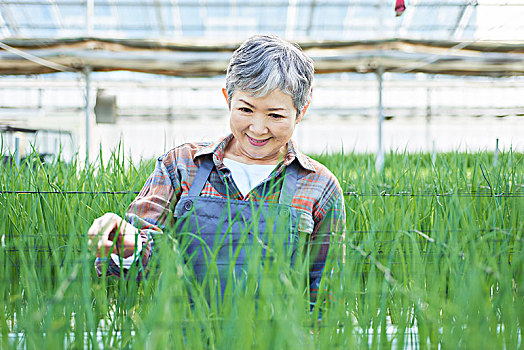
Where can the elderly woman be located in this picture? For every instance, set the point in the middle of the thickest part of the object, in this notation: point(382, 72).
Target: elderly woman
point(256, 173)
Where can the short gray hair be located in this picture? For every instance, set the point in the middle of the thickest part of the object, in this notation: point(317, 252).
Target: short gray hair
point(264, 63)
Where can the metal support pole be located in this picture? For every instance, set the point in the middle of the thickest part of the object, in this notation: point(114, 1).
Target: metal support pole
point(429, 113)
point(496, 156)
point(87, 77)
point(379, 164)
point(433, 154)
point(17, 152)
point(90, 11)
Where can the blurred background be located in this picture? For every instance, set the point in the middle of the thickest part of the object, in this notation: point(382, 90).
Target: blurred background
point(90, 76)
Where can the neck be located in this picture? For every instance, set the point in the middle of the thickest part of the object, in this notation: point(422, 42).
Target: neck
point(233, 152)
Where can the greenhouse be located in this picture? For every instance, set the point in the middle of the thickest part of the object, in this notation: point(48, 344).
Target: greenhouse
point(416, 109)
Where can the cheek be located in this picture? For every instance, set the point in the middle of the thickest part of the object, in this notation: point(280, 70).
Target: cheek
point(236, 123)
point(283, 130)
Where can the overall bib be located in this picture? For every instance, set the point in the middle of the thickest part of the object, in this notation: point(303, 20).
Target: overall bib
point(219, 235)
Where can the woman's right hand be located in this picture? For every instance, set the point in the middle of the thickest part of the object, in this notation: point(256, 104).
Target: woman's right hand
point(108, 228)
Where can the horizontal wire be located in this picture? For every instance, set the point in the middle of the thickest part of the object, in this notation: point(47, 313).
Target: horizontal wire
point(347, 194)
point(69, 192)
point(458, 230)
point(430, 260)
point(377, 249)
point(14, 246)
point(448, 194)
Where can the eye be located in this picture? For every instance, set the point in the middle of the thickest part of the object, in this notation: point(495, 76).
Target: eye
point(276, 116)
point(245, 109)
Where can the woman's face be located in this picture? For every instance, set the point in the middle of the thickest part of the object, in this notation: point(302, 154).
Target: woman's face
point(261, 126)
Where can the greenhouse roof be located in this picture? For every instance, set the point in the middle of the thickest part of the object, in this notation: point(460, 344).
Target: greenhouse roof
point(168, 58)
point(449, 36)
point(237, 19)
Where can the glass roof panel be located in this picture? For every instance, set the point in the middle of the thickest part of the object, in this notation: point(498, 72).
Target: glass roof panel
point(274, 19)
point(327, 21)
point(303, 13)
point(73, 20)
point(469, 25)
point(364, 18)
point(134, 17)
point(191, 21)
point(235, 19)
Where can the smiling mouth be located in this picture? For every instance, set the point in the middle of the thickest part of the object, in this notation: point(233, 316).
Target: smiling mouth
point(256, 142)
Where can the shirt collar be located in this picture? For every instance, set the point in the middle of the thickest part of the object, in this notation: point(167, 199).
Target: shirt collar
point(217, 149)
point(294, 153)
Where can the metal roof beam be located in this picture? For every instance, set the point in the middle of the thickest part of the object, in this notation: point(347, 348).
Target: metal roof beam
point(10, 23)
point(348, 19)
point(55, 11)
point(463, 19)
point(90, 13)
point(5, 29)
point(261, 3)
point(113, 5)
point(159, 18)
point(487, 58)
point(227, 26)
point(291, 19)
point(202, 11)
point(177, 20)
point(408, 17)
point(310, 21)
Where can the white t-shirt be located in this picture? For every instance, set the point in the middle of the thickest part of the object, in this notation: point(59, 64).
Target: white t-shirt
point(248, 176)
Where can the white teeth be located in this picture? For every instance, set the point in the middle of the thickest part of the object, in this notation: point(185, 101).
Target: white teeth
point(257, 141)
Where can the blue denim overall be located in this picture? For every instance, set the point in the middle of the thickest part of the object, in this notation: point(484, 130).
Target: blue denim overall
point(219, 234)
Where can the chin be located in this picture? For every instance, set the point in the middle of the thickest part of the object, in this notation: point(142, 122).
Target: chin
point(258, 155)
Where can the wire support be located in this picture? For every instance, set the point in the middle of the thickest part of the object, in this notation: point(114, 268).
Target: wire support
point(457, 230)
point(347, 194)
point(428, 194)
point(70, 192)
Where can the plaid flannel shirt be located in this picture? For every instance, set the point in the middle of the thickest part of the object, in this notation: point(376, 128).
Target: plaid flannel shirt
point(318, 199)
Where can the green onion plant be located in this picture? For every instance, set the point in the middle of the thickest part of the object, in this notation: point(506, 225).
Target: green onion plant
point(432, 257)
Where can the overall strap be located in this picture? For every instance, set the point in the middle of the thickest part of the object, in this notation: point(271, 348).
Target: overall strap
point(201, 176)
point(290, 184)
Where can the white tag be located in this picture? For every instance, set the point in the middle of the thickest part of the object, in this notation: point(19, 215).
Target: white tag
point(130, 260)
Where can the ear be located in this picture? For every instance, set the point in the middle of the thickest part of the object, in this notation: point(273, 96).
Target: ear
point(224, 92)
point(303, 111)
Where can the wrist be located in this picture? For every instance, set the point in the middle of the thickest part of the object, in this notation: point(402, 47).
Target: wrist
point(136, 245)
point(134, 254)
point(128, 251)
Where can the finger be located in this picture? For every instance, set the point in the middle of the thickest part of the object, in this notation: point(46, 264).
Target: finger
point(94, 228)
point(118, 228)
point(99, 233)
point(92, 233)
point(104, 248)
point(129, 240)
point(98, 225)
point(107, 235)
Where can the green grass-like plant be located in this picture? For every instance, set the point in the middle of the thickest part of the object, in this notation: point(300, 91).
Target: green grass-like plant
point(432, 257)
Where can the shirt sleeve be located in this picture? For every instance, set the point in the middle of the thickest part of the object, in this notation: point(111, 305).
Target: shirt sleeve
point(149, 212)
point(328, 231)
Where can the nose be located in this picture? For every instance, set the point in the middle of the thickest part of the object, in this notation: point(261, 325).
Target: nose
point(258, 126)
